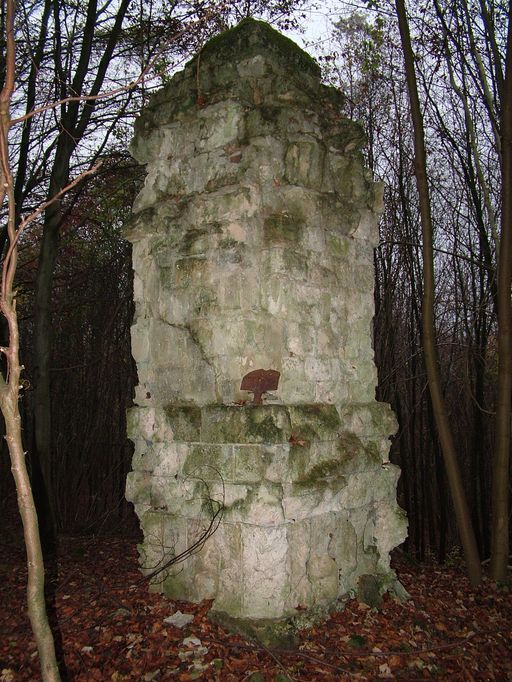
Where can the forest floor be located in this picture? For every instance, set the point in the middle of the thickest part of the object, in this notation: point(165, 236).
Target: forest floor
point(110, 628)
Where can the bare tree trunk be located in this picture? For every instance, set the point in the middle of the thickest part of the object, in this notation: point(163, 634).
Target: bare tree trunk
point(10, 389)
point(428, 324)
point(42, 354)
point(500, 478)
point(74, 122)
point(9, 397)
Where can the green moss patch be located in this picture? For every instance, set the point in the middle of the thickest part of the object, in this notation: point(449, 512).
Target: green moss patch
point(315, 422)
point(282, 227)
point(245, 424)
point(209, 462)
point(275, 634)
point(185, 422)
point(249, 37)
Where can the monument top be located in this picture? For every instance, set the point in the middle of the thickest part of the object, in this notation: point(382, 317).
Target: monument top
point(250, 63)
point(250, 38)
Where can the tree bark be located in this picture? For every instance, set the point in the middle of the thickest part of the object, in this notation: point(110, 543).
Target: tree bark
point(10, 389)
point(428, 321)
point(500, 477)
point(9, 397)
point(74, 122)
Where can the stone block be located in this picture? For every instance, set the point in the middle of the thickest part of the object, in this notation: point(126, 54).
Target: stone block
point(194, 242)
point(277, 470)
point(353, 455)
point(261, 507)
point(232, 496)
point(152, 527)
point(253, 67)
point(251, 462)
point(367, 228)
point(263, 159)
point(140, 341)
point(344, 546)
point(314, 422)
point(290, 262)
point(221, 124)
point(299, 540)
point(368, 419)
point(138, 487)
point(192, 269)
point(365, 488)
point(167, 458)
point(305, 164)
point(293, 385)
point(275, 298)
point(140, 423)
point(282, 228)
point(390, 529)
point(231, 586)
point(142, 459)
point(184, 420)
point(300, 338)
point(174, 308)
point(301, 502)
point(312, 460)
point(329, 392)
point(321, 369)
point(174, 535)
point(210, 462)
point(262, 121)
point(264, 571)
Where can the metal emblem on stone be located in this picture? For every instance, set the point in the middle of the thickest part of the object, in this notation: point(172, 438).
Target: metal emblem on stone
point(259, 381)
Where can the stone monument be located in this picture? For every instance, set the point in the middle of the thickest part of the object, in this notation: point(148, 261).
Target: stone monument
point(253, 247)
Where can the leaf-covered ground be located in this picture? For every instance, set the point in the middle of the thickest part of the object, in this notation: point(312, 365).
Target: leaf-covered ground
point(111, 628)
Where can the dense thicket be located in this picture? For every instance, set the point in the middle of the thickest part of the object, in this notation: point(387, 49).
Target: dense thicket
point(459, 61)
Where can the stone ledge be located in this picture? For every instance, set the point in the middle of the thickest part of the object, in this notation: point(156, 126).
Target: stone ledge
point(254, 424)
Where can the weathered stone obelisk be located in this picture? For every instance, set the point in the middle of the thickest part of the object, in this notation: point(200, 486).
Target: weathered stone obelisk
point(253, 247)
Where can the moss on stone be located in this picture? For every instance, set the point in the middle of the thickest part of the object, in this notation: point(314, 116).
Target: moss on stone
point(204, 301)
point(176, 587)
point(349, 136)
point(282, 227)
point(190, 269)
point(257, 124)
point(337, 245)
point(246, 424)
point(275, 634)
point(265, 430)
point(231, 250)
point(193, 242)
point(251, 463)
point(185, 421)
point(248, 38)
point(296, 262)
point(315, 465)
point(354, 455)
point(322, 471)
point(370, 588)
point(209, 462)
point(315, 421)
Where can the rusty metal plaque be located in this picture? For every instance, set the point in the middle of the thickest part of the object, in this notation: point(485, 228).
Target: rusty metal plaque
point(259, 381)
